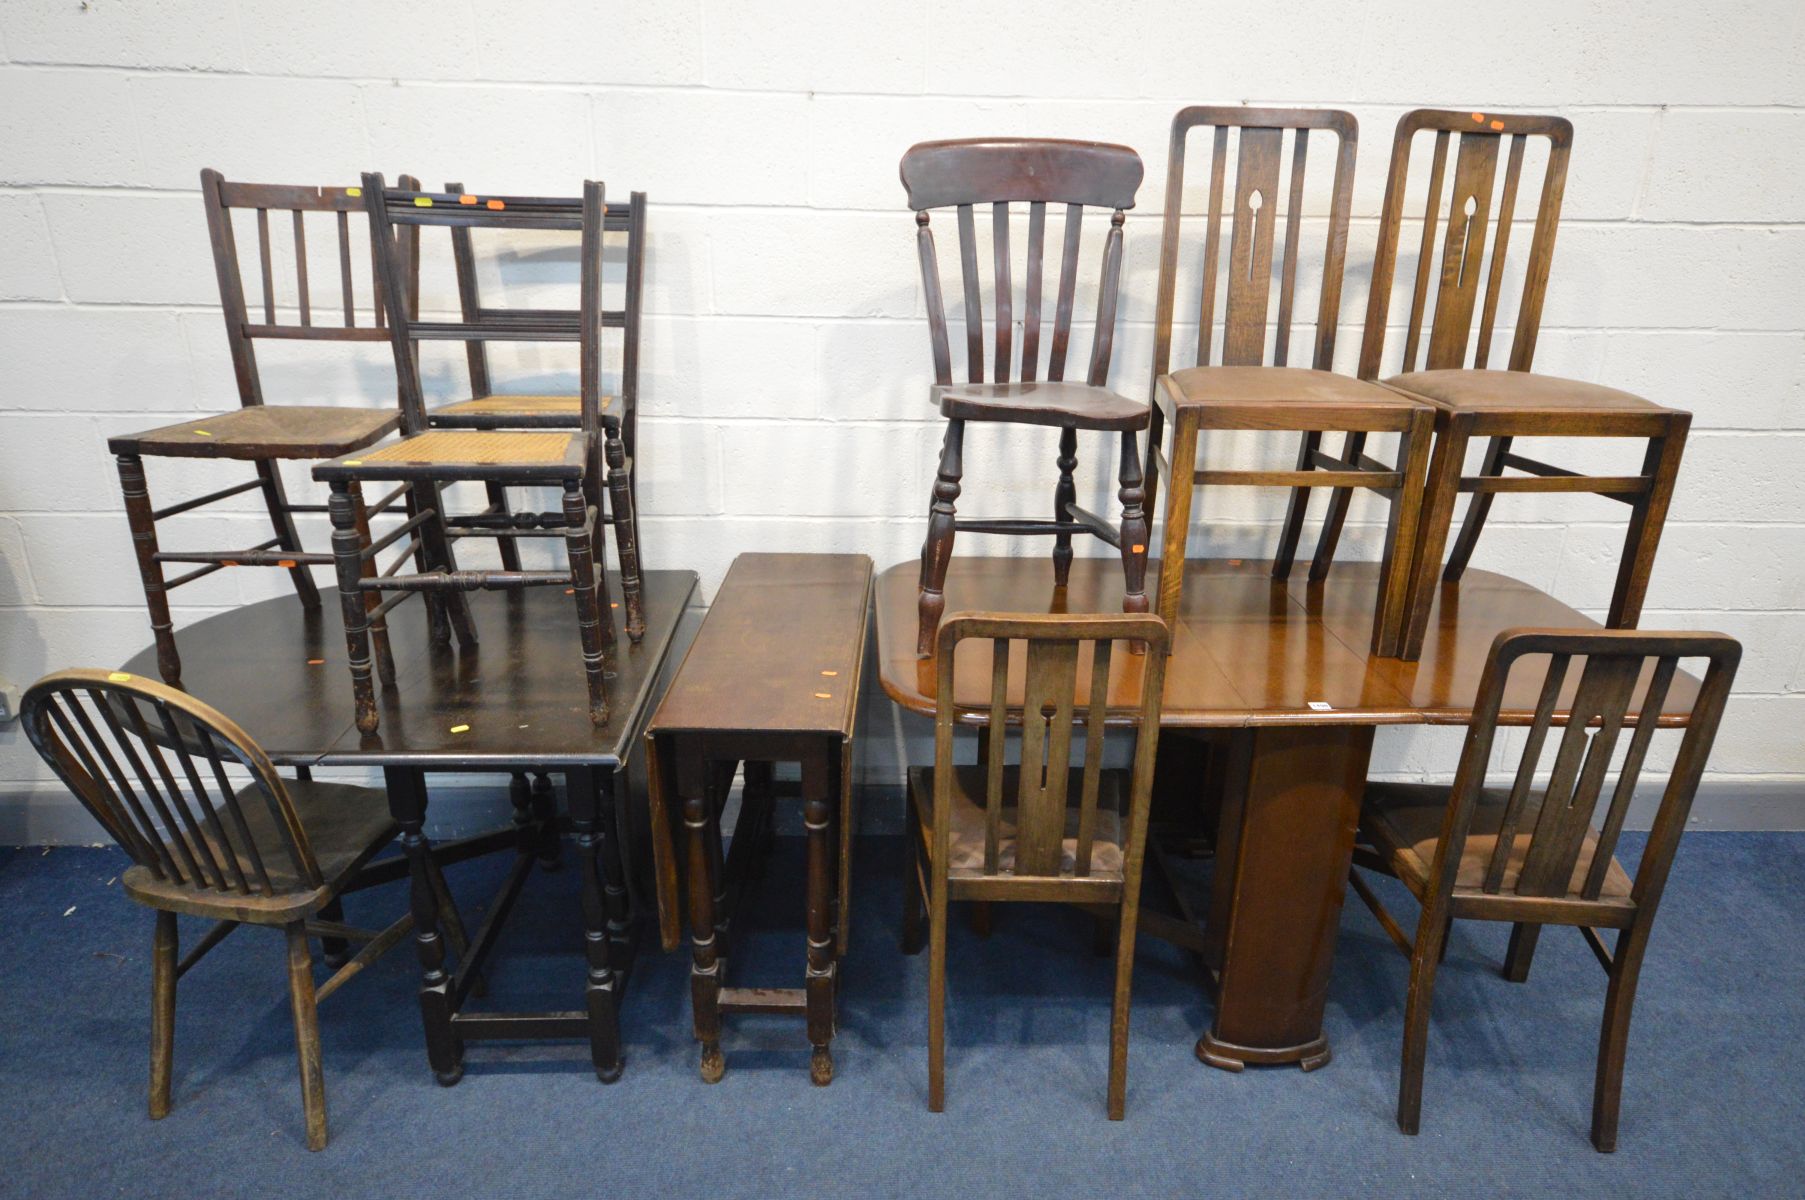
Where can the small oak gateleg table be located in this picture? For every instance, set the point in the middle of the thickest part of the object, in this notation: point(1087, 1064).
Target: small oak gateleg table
point(509, 704)
point(773, 676)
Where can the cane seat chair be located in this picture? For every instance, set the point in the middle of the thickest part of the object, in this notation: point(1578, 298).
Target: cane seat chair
point(1044, 828)
point(263, 435)
point(1451, 370)
point(997, 173)
point(214, 832)
point(1245, 385)
point(424, 459)
point(1542, 851)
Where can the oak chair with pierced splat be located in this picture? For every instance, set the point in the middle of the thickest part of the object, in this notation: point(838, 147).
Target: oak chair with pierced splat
point(155, 768)
point(1542, 854)
point(263, 435)
point(1041, 830)
point(1246, 386)
point(425, 459)
point(487, 408)
point(999, 172)
point(1476, 402)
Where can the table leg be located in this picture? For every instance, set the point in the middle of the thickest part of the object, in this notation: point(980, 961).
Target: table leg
point(600, 994)
point(705, 967)
point(819, 799)
point(407, 804)
point(1289, 815)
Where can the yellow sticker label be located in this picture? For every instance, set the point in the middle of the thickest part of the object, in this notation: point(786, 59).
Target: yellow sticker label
point(422, 201)
point(119, 677)
point(354, 191)
point(824, 695)
point(354, 462)
point(830, 674)
point(202, 433)
point(460, 729)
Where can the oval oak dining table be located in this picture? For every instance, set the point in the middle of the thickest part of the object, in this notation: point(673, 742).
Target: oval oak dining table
point(1279, 679)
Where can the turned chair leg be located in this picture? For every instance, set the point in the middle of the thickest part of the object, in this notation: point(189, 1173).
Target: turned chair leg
point(626, 535)
point(1296, 509)
point(1477, 510)
point(437, 622)
point(1065, 494)
point(378, 623)
point(282, 520)
point(1424, 959)
point(143, 523)
point(1135, 531)
point(498, 506)
point(307, 1034)
point(162, 1013)
point(440, 557)
point(347, 554)
point(577, 542)
point(1521, 951)
point(937, 552)
point(594, 480)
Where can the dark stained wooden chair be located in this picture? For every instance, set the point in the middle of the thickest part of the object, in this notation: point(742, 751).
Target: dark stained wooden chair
point(1542, 853)
point(1247, 386)
point(425, 459)
point(262, 435)
point(998, 172)
point(1042, 829)
point(157, 769)
point(1451, 373)
point(487, 408)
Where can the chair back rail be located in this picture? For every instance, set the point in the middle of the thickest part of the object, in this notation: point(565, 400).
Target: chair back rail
point(1055, 647)
point(1446, 297)
point(149, 762)
point(1255, 204)
point(997, 172)
point(1575, 797)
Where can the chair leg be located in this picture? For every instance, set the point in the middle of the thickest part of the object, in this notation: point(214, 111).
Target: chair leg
point(307, 1034)
point(913, 932)
point(1445, 464)
point(1181, 460)
point(1135, 530)
point(143, 522)
point(438, 623)
point(1477, 510)
point(1613, 1037)
point(439, 553)
point(1522, 949)
point(1431, 933)
point(937, 552)
point(582, 580)
point(282, 519)
point(1335, 516)
point(334, 950)
point(1065, 494)
point(1662, 465)
point(347, 553)
point(626, 535)
point(937, 995)
point(1402, 527)
point(1118, 1023)
point(594, 481)
point(379, 624)
point(162, 1013)
point(509, 546)
point(1297, 508)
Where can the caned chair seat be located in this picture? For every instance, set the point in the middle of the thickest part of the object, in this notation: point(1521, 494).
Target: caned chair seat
point(345, 826)
point(465, 453)
point(263, 432)
point(965, 858)
point(1066, 405)
point(1494, 391)
point(1295, 388)
point(513, 412)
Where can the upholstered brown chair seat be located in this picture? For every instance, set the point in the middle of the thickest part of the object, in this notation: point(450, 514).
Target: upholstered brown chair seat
point(262, 431)
point(966, 853)
point(513, 412)
point(1068, 405)
point(1293, 387)
point(1404, 821)
point(1491, 391)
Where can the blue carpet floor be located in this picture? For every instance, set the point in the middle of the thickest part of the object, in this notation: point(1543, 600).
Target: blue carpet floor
point(1714, 1103)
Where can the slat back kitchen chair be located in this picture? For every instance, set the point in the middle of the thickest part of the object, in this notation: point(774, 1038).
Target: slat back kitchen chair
point(1043, 829)
point(262, 434)
point(1244, 383)
point(425, 459)
point(487, 408)
point(996, 173)
point(1465, 250)
point(1542, 852)
point(160, 771)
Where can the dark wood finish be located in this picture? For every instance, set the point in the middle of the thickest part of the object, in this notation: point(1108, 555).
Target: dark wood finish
point(1239, 385)
point(1282, 677)
point(1044, 829)
point(773, 676)
point(1448, 368)
point(256, 433)
point(1537, 856)
point(425, 459)
point(150, 764)
point(999, 172)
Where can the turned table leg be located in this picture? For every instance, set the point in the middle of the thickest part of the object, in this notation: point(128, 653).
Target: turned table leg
point(818, 804)
point(407, 804)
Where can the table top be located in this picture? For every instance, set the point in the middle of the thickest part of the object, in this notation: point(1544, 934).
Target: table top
point(779, 652)
point(518, 697)
point(1248, 651)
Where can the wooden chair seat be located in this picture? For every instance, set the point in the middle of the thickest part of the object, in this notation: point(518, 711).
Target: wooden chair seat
point(1458, 390)
point(965, 858)
point(1404, 820)
point(1297, 389)
point(1065, 405)
point(465, 454)
point(513, 412)
point(346, 826)
point(263, 432)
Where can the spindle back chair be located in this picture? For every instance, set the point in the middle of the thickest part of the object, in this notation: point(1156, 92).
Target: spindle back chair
point(1543, 851)
point(261, 434)
point(1244, 380)
point(1043, 829)
point(155, 767)
point(1015, 387)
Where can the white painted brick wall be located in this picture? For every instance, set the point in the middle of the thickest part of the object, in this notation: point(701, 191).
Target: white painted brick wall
point(785, 360)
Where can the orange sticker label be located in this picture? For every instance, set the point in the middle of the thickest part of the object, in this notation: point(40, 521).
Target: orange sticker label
point(830, 674)
point(496, 205)
point(1138, 549)
point(824, 695)
point(466, 198)
point(1479, 117)
point(228, 562)
point(285, 562)
point(315, 662)
point(1498, 125)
